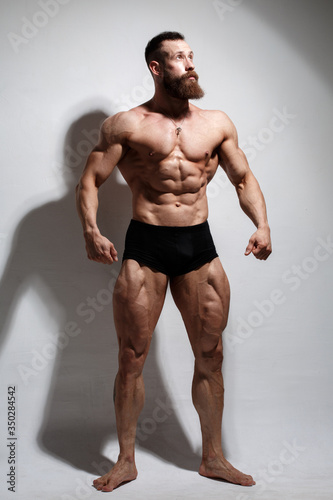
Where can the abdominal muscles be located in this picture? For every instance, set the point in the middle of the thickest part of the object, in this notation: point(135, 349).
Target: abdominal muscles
point(170, 192)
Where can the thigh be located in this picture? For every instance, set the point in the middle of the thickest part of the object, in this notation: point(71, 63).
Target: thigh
point(137, 302)
point(202, 297)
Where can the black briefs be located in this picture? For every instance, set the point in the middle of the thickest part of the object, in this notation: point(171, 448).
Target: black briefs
point(171, 250)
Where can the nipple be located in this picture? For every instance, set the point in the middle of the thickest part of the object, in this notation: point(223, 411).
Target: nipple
point(151, 153)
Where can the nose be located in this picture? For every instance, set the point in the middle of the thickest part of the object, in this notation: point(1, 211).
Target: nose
point(189, 64)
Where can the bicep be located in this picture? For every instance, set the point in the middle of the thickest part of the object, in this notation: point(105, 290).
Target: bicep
point(232, 158)
point(105, 156)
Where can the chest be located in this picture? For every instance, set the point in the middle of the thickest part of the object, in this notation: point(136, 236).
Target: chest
point(161, 138)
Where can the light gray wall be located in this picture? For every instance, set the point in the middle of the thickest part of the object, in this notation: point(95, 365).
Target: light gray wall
point(68, 64)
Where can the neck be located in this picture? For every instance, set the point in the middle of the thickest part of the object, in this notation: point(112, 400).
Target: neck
point(172, 106)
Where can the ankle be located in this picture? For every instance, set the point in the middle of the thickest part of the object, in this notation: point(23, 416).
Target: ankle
point(126, 457)
point(211, 454)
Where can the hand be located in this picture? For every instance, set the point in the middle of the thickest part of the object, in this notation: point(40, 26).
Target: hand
point(260, 244)
point(100, 249)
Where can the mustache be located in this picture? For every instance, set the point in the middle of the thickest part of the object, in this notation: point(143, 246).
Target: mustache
point(190, 74)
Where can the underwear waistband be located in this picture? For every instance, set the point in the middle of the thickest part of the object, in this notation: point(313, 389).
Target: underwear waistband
point(194, 228)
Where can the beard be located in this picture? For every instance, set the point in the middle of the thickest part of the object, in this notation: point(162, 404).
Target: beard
point(182, 87)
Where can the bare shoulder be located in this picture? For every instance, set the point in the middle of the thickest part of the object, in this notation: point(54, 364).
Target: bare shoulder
point(219, 119)
point(116, 124)
point(115, 129)
point(123, 123)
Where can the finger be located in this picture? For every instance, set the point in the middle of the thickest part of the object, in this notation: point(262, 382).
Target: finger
point(249, 248)
point(108, 254)
point(263, 254)
point(107, 258)
point(268, 253)
point(259, 253)
point(101, 258)
point(104, 260)
point(114, 254)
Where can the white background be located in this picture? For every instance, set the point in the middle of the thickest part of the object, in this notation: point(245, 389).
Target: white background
point(65, 67)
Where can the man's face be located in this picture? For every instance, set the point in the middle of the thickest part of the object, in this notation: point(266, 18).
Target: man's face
point(179, 78)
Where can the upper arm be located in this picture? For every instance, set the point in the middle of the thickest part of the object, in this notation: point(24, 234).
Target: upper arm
point(231, 157)
point(108, 152)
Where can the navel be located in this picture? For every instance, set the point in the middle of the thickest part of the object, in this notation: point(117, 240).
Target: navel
point(178, 204)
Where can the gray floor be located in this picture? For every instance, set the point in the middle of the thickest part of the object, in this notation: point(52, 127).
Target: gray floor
point(44, 477)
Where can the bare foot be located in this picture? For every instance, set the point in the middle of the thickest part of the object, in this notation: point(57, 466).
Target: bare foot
point(122, 472)
point(220, 468)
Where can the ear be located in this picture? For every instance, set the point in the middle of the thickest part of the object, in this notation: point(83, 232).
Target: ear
point(156, 68)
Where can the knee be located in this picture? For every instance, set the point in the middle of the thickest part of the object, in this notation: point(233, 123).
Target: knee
point(209, 357)
point(131, 362)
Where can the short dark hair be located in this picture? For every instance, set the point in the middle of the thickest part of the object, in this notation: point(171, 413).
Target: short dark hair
point(153, 46)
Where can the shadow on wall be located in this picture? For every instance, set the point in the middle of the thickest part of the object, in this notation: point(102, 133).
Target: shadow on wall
point(48, 255)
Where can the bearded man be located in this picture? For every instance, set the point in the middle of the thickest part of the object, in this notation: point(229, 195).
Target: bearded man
point(168, 150)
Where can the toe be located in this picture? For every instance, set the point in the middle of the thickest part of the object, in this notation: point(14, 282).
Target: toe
point(98, 484)
point(248, 481)
point(107, 488)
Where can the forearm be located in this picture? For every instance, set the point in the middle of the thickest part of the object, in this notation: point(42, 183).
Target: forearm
point(252, 200)
point(87, 206)
point(99, 248)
